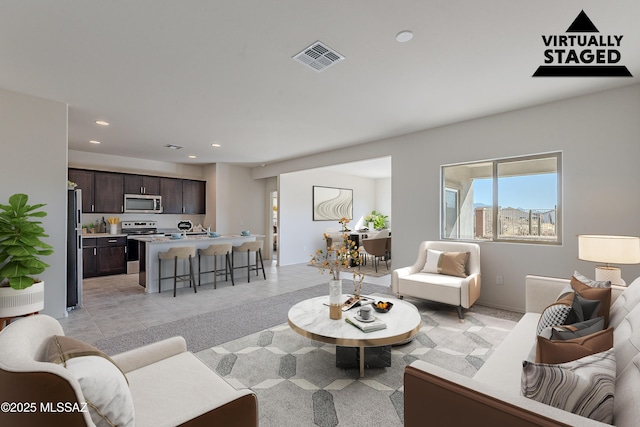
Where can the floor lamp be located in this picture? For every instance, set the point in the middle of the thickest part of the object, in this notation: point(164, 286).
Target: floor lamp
point(609, 249)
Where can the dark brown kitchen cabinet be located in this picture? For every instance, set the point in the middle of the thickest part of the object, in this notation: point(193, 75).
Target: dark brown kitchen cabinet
point(89, 257)
point(194, 196)
point(103, 192)
point(104, 256)
point(171, 192)
point(109, 192)
point(112, 255)
point(141, 184)
point(85, 180)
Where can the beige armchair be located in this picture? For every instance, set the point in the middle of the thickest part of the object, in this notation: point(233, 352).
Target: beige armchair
point(461, 292)
point(169, 386)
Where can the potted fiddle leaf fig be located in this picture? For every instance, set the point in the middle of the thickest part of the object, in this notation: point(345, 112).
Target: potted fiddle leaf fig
point(20, 250)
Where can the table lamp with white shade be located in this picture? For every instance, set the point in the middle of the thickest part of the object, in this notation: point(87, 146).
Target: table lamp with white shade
point(609, 250)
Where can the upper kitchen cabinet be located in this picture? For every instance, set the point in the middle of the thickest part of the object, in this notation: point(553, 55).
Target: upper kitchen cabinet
point(141, 184)
point(109, 192)
point(85, 180)
point(183, 196)
point(194, 196)
point(103, 192)
point(171, 192)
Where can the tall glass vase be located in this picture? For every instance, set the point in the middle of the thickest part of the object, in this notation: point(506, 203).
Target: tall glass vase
point(335, 299)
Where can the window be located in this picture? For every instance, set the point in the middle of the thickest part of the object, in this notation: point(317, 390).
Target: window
point(451, 212)
point(507, 200)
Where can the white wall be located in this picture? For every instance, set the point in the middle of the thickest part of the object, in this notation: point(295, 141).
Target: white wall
point(209, 173)
point(599, 136)
point(240, 200)
point(33, 136)
point(88, 160)
point(384, 198)
point(299, 235)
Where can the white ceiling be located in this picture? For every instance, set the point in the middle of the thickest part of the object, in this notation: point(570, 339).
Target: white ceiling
point(372, 168)
point(195, 72)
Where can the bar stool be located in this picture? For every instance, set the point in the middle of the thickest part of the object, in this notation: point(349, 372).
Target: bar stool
point(214, 251)
point(184, 252)
point(249, 247)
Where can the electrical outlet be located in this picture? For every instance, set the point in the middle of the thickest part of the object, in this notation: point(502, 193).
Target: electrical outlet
point(499, 280)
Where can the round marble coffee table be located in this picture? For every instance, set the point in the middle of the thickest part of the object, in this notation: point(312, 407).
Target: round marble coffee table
point(310, 318)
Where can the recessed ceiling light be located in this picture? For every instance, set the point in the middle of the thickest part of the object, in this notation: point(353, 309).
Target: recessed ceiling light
point(216, 145)
point(102, 123)
point(404, 36)
point(94, 142)
point(192, 157)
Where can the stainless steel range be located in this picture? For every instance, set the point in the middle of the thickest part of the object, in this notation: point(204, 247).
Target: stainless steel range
point(137, 228)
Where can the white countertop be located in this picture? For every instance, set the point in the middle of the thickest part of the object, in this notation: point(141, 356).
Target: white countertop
point(167, 239)
point(96, 235)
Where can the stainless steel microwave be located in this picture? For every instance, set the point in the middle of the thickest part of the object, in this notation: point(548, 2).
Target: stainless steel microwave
point(142, 203)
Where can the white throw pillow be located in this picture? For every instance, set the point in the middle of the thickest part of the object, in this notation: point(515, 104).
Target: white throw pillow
point(433, 259)
point(105, 390)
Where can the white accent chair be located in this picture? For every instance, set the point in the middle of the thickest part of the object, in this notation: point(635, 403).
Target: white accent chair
point(458, 291)
point(169, 385)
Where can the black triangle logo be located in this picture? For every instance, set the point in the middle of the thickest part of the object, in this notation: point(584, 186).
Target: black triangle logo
point(582, 24)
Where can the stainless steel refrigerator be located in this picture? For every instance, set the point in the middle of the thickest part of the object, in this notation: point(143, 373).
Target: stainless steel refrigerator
point(74, 249)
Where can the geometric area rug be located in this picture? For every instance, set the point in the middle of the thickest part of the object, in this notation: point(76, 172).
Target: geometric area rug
point(297, 383)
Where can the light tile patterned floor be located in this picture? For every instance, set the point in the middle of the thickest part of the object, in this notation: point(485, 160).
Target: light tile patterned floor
point(114, 305)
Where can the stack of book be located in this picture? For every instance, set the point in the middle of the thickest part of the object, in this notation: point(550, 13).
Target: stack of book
point(376, 325)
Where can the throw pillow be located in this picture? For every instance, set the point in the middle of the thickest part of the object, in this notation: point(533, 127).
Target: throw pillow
point(592, 283)
point(433, 259)
point(61, 348)
point(104, 385)
point(569, 297)
point(561, 351)
point(601, 294)
point(576, 330)
point(553, 315)
point(448, 263)
point(589, 307)
point(584, 386)
point(105, 391)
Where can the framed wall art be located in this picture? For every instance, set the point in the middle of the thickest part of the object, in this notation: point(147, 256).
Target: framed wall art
point(331, 204)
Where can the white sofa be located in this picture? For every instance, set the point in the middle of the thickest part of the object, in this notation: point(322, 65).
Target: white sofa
point(169, 385)
point(458, 291)
point(493, 395)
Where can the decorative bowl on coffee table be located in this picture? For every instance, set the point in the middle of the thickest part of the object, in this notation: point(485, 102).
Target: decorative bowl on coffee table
point(382, 306)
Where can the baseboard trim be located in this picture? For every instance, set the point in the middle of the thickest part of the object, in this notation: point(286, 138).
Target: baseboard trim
point(501, 306)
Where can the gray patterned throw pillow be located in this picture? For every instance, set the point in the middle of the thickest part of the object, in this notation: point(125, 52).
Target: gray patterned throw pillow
point(555, 314)
point(584, 386)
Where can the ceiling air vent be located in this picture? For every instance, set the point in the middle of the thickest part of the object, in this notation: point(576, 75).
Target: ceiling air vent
point(173, 147)
point(318, 57)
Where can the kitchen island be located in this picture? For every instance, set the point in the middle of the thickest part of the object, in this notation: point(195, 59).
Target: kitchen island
point(150, 246)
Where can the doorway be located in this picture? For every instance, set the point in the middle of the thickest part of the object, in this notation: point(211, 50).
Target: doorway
point(274, 222)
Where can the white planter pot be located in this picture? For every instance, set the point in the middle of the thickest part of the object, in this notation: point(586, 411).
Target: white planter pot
point(20, 302)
